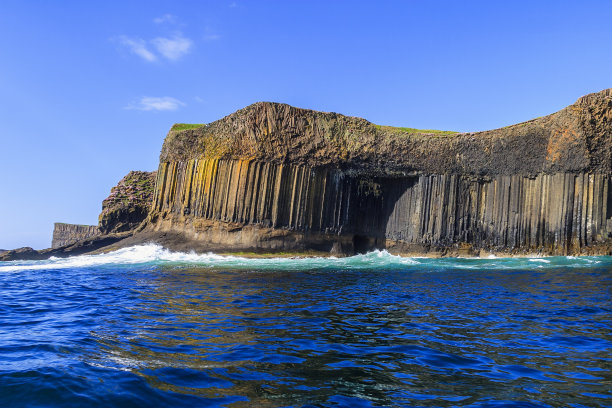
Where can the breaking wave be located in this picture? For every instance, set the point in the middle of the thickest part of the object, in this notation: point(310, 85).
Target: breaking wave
point(156, 254)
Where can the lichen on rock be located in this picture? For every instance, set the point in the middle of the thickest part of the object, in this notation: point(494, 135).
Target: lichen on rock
point(128, 203)
point(575, 139)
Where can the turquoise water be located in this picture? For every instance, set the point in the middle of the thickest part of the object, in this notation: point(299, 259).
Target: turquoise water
point(144, 326)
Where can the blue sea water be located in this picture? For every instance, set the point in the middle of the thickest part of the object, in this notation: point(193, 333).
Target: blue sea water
point(143, 327)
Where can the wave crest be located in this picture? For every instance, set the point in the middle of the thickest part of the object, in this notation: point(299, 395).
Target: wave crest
point(375, 260)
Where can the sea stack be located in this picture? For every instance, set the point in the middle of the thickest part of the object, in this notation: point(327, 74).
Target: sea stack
point(272, 177)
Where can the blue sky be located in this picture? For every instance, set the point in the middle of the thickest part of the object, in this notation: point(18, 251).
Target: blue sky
point(90, 88)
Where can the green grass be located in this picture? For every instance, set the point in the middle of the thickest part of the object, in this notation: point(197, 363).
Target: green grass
point(415, 131)
point(185, 126)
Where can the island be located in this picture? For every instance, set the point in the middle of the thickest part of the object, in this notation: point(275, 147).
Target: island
point(272, 178)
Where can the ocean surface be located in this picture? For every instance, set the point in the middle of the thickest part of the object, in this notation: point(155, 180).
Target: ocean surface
point(145, 327)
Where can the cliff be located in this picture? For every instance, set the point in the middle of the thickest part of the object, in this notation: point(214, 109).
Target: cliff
point(128, 203)
point(575, 139)
point(272, 176)
point(66, 234)
point(122, 212)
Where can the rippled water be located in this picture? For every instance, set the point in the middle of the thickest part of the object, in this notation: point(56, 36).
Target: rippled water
point(146, 327)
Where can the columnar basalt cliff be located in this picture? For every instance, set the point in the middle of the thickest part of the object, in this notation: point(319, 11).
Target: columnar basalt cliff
point(272, 176)
point(66, 234)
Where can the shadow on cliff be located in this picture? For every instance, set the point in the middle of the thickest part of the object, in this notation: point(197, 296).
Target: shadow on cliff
point(375, 203)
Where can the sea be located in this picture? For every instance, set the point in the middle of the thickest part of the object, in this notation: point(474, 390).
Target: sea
point(147, 327)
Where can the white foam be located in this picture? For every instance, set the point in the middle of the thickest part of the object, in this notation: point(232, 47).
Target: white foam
point(375, 260)
point(542, 260)
point(142, 254)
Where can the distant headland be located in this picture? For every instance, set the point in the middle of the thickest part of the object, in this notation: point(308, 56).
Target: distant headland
point(273, 178)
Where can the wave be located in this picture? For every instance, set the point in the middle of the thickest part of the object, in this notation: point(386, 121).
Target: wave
point(375, 260)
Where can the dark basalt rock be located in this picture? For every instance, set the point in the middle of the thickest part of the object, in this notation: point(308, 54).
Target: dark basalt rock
point(271, 177)
point(21, 253)
point(122, 212)
point(575, 139)
point(128, 203)
point(81, 247)
point(276, 177)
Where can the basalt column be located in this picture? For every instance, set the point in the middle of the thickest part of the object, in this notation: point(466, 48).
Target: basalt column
point(559, 213)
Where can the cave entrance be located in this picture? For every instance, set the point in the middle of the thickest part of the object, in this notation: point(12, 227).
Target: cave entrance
point(361, 244)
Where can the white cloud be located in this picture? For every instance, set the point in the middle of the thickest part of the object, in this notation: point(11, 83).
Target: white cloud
point(172, 48)
point(166, 18)
point(233, 4)
point(153, 103)
point(169, 48)
point(137, 46)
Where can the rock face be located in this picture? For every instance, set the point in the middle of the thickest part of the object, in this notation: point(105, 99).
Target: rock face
point(575, 139)
point(66, 234)
point(271, 176)
point(20, 253)
point(128, 203)
point(123, 210)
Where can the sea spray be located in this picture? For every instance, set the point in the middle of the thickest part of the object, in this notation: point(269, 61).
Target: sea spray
point(155, 254)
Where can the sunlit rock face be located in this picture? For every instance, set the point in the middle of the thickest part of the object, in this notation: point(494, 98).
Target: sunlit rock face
point(272, 176)
point(66, 234)
point(128, 203)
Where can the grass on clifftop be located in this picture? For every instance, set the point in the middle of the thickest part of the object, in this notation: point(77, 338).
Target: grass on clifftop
point(185, 126)
point(416, 131)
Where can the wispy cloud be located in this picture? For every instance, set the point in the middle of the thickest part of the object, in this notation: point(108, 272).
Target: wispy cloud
point(166, 18)
point(233, 4)
point(153, 103)
point(172, 48)
point(137, 46)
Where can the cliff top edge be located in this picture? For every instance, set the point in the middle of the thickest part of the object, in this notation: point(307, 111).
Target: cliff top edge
point(576, 138)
